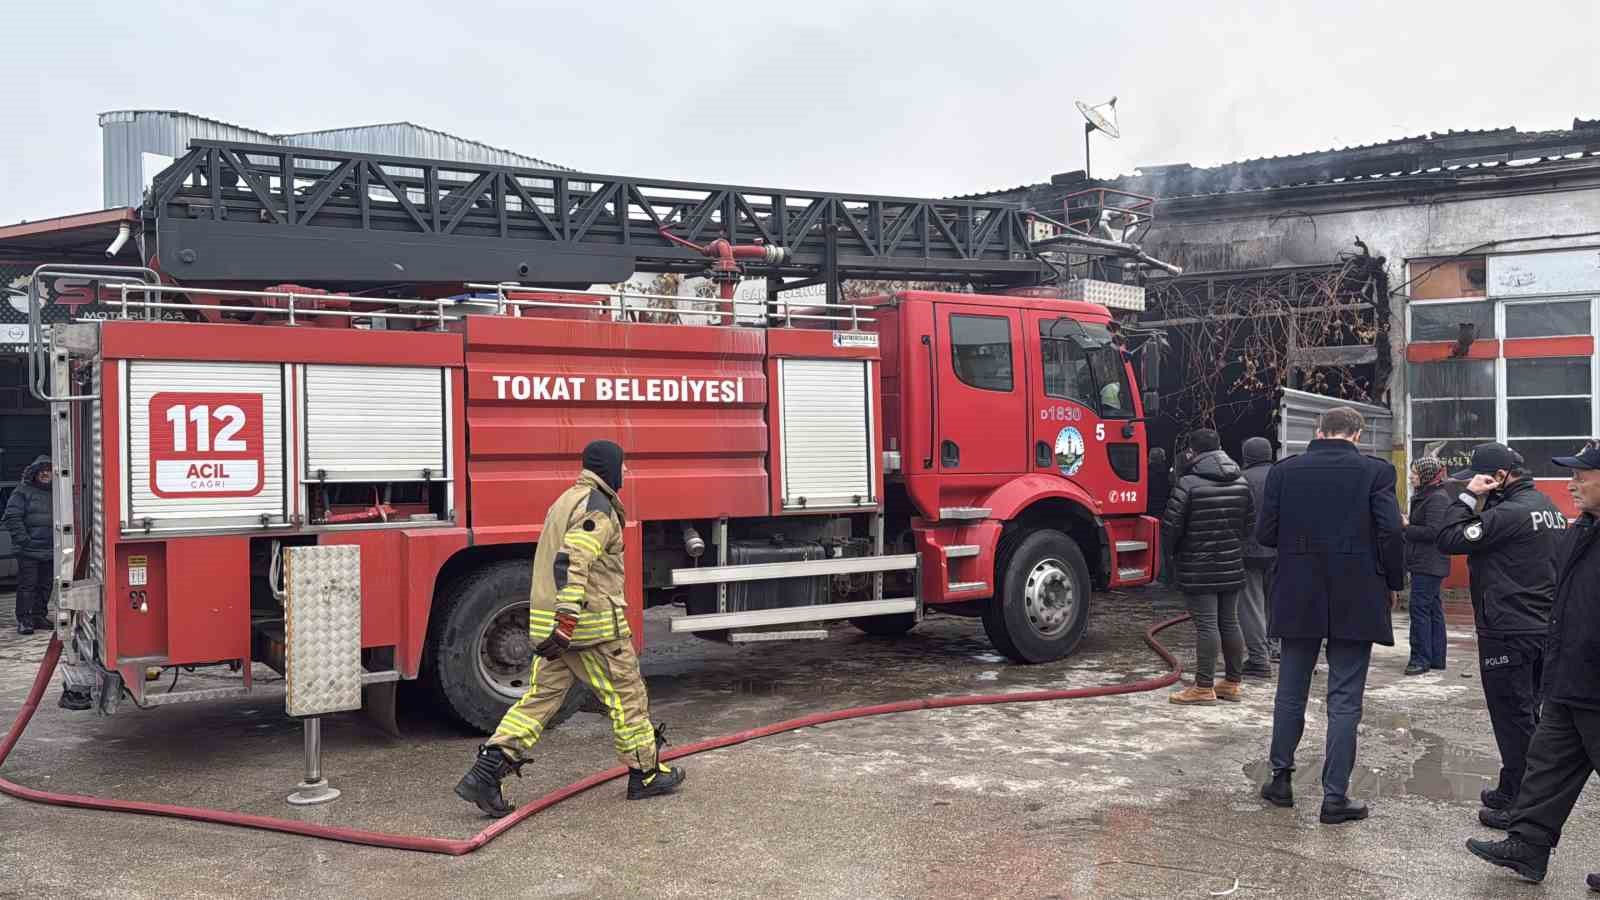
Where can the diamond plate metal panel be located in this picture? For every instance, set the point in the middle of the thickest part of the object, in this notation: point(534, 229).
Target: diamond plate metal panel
point(1105, 293)
point(322, 629)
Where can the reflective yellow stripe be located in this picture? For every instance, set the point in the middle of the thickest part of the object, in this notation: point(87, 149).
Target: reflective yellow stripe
point(584, 542)
point(608, 693)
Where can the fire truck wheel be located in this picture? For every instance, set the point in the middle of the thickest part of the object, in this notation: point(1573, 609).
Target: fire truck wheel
point(886, 626)
point(478, 657)
point(1040, 609)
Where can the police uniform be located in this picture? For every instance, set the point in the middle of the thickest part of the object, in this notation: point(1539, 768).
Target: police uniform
point(1510, 548)
point(578, 625)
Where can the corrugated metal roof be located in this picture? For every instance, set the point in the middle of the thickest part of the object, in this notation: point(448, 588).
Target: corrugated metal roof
point(1436, 154)
point(128, 135)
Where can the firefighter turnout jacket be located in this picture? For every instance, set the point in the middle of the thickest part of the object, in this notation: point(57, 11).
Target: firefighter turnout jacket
point(577, 568)
point(1511, 555)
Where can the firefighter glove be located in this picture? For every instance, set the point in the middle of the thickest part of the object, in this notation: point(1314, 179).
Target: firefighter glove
point(560, 638)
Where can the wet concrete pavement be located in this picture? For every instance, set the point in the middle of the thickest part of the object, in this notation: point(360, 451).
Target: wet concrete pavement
point(1116, 797)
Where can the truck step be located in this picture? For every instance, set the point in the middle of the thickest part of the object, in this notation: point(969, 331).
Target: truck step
point(753, 637)
point(960, 551)
point(963, 587)
point(1131, 574)
point(787, 614)
point(1132, 546)
point(850, 565)
point(222, 693)
point(964, 513)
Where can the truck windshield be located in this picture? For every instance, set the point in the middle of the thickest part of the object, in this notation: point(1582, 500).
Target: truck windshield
point(1081, 363)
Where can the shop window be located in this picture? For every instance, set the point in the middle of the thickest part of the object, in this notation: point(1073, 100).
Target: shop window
point(1456, 455)
point(1452, 379)
point(1453, 418)
point(1548, 377)
point(1452, 408)
point(1549, 405)
point(1530, 320)
point(1442, 321)
point(981, 350)
point(1537, 454)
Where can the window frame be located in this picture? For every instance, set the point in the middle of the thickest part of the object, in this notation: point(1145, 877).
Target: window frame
point(1502, 398)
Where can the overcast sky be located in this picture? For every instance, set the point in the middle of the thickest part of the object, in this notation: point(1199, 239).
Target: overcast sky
point(912, 98)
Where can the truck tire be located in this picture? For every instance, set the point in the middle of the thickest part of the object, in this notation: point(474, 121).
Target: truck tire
point(886, 626)
point(477, 659)
point(1040, 609)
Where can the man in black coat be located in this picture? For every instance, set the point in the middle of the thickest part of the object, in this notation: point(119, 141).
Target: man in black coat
point(1207, 519)
point(1333, 516)
point(28, 517)
point(1566, 745)
point(1430, 505)
point(1511, 549)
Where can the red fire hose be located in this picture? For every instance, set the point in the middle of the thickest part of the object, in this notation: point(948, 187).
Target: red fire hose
point(461, 847)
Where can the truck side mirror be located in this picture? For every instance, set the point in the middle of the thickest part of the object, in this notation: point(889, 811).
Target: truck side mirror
point(1152, 404)
point(1150, 364)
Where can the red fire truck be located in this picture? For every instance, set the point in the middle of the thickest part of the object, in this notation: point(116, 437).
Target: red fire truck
point(413, 395)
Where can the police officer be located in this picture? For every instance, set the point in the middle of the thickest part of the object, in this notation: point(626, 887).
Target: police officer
point(1510, 545)
point(576, 616)
point(1566, 746)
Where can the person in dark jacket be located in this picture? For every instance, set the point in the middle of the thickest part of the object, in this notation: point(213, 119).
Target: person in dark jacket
point(1208, 517)
point(1510, 548)
point(1566, 744)
point(1430, 503)
point(28, 518)
point(1332, 514)
point(1258, 564)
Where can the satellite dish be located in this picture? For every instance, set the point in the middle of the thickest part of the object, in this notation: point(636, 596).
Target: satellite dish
point(1102, 117)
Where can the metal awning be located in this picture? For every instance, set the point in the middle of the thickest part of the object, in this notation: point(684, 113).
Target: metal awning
point(83, 237)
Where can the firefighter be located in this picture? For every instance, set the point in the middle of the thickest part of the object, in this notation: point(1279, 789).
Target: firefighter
point(1510, 547)
point(576, 621)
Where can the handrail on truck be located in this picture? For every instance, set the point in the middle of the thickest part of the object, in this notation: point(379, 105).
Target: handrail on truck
point(37, 370)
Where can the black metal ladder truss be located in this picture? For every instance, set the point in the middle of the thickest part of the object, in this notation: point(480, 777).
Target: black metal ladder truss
point(246, 212)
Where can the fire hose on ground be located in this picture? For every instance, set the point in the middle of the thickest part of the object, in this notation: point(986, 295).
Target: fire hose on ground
point(461, 847)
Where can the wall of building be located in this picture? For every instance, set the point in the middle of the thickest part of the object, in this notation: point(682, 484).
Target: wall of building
point(1227, 237)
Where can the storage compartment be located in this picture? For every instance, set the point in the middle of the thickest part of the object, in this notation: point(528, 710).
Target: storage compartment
point(751, 595)
point(203, 446)
point(827, 433)
point(375, 423)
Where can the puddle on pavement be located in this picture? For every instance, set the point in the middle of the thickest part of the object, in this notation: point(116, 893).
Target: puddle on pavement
point(1443, 772)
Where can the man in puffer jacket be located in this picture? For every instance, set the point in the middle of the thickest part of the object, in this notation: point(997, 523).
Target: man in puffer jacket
point(1208, 518)
point(1258, 564)
point(28, 518)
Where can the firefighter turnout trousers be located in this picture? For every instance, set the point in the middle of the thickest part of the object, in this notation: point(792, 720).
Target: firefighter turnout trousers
point(611, 670)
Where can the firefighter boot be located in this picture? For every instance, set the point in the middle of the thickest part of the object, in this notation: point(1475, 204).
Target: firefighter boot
point(659, 779)
point(664, 779)
point(481, 785)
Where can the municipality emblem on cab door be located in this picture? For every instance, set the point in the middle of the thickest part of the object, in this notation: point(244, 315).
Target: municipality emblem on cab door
point(1069, 451)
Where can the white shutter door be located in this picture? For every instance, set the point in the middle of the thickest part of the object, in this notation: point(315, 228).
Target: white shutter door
point(827, 433)
point(218, 469)
point(374, 423)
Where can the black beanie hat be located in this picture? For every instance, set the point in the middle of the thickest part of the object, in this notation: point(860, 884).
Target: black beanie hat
point(604, 459)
